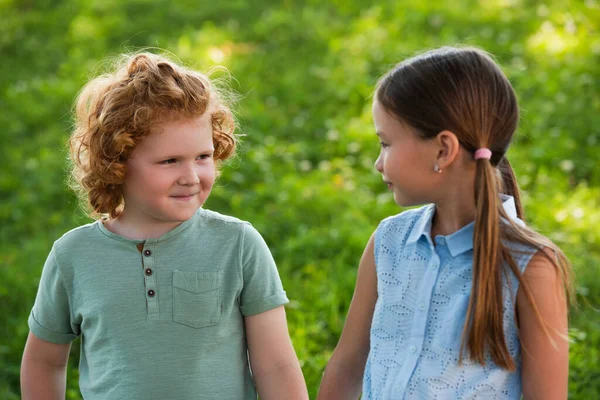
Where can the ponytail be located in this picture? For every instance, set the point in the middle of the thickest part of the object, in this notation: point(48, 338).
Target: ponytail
point(483, 329)
point(510, 185)
point(492, 262)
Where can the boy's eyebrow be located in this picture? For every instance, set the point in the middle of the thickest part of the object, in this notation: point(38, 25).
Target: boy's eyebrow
point(207, 150)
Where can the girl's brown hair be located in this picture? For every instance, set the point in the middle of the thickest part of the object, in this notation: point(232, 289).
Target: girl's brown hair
point(115, 111)
point(463, 90)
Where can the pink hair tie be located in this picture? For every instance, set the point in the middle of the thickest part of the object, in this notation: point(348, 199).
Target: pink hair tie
point(483, 153)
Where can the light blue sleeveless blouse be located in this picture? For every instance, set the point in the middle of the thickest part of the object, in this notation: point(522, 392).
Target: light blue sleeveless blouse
point(423, 293)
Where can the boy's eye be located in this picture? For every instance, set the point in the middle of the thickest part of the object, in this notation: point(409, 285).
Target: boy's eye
point(169, 161)
point(204, 156)
point(383, 145)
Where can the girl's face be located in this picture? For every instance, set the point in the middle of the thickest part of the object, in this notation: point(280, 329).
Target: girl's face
point(170, 174)
point(405, 161)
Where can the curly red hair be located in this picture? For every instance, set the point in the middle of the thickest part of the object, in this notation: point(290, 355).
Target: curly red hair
point(115, 111)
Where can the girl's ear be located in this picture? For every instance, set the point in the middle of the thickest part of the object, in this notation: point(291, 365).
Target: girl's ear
point(447, 148)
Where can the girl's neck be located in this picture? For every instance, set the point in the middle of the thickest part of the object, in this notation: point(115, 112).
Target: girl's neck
point(450, 217)
point(456, 208)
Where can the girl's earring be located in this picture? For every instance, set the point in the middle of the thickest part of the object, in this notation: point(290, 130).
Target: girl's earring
point(437, 169)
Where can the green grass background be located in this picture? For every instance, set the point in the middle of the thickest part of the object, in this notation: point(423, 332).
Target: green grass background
point(305, 176)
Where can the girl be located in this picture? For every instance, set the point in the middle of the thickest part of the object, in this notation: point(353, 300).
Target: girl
point(172, 301)
point(457, 299)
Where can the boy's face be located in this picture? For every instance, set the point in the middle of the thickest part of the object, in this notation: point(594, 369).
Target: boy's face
point(169, 175)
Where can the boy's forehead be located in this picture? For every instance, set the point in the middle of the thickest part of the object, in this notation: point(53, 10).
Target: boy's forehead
point(178, 122)
point(179, 136)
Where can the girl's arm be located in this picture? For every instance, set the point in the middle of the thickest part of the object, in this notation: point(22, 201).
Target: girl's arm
point(545, 365)
point(44, 369)
point(275, 367)
point(344, 373)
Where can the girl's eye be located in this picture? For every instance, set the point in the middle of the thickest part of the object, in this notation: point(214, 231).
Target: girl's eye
point(383, 145)
point(204, 157)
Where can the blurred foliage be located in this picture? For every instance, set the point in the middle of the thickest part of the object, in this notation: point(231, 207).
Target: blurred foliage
point(304, 178)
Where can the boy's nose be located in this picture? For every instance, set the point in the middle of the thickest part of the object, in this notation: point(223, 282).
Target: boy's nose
point(189, 177)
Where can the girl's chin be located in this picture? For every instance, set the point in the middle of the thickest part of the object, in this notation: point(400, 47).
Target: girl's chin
point(403, 201)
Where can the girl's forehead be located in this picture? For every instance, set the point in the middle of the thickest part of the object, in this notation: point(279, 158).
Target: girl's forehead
point(384, 117)
point(382, 113)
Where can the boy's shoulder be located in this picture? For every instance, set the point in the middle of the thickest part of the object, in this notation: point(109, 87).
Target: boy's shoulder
point(77, 242)
point(83, 234)
point(215, 218)
point(220, 228)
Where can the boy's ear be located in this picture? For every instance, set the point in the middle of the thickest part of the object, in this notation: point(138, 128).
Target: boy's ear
point(448, 148)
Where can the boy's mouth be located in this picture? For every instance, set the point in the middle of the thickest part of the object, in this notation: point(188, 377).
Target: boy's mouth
point(184, 196)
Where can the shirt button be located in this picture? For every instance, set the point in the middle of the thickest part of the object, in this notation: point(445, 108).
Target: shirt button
point(399, 388)
point(413, 349)
point(441, 240)
point(151, 293)
point(422, 306)
point(148, 271)
point(147, 253)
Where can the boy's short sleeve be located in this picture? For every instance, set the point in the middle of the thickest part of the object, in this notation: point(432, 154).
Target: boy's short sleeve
point(262, 289)
point(50, 318)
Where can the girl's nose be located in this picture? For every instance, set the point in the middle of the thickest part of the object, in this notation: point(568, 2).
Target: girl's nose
point(379, 164)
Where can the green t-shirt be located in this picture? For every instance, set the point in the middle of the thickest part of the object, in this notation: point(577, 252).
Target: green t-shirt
point(161, 318)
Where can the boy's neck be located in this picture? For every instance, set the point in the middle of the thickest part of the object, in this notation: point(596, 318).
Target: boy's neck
point(122, 226)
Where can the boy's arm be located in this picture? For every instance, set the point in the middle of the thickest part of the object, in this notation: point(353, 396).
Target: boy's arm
point(344, 373)
point(275, 367)
point(43, 369)
point(545, 365)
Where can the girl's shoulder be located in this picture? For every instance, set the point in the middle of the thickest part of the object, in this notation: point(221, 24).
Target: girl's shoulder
point(408, 218)
point(406, 227)
point(410, 214)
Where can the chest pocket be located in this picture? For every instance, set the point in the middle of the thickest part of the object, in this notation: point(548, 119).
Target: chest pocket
point(196, 298)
